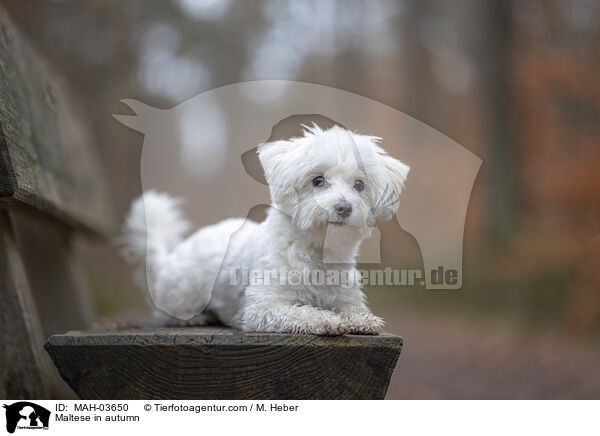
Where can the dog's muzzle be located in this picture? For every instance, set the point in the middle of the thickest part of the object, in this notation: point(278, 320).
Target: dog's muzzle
point(343, 209)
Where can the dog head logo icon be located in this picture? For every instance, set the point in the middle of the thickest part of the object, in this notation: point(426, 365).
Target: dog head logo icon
point(26, 415)
point(193, 150)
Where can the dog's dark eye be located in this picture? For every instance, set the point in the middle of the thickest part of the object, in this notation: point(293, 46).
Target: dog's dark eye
point(359, 185)
point(318, 181)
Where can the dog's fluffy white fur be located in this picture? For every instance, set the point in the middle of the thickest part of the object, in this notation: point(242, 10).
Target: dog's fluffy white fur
point(302, 231)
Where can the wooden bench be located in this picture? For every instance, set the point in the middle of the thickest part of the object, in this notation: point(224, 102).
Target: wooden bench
point(52, 189)
point(220, 363)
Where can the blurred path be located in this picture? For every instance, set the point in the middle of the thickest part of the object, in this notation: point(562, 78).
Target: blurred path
point(452, 358)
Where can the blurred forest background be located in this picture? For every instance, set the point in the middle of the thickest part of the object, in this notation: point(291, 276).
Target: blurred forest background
point(515, 82)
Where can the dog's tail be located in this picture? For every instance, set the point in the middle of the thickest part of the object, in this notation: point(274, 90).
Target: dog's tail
point(154, 227)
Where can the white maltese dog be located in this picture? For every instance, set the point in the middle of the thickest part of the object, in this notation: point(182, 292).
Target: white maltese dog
point(327, 188)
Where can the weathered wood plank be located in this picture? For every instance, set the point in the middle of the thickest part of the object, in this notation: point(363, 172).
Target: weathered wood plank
point(54, 273)
point(47, 158)
point(24, 370)
point(220, 363)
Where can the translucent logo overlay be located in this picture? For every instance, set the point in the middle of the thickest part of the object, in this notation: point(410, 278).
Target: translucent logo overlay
point(204, 151)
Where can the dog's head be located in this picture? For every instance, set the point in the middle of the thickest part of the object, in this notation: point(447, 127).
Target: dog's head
point(333, 177)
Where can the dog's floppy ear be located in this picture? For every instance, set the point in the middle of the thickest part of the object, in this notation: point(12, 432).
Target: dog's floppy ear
point(272, 157)
point(389, 197)
point(278, 161)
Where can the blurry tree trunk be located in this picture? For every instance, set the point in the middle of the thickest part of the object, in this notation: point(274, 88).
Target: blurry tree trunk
point(501, 170)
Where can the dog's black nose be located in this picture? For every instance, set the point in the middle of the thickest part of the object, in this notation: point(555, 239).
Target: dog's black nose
point(343, 208)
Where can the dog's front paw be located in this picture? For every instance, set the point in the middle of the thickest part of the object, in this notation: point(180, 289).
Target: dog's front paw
point(359, 320)
point(372, 325)
point(329, 325)
point(296, 320)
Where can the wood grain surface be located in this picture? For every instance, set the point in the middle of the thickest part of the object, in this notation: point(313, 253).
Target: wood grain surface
point(220, 363)
point(47, 157)
point(25, 372)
